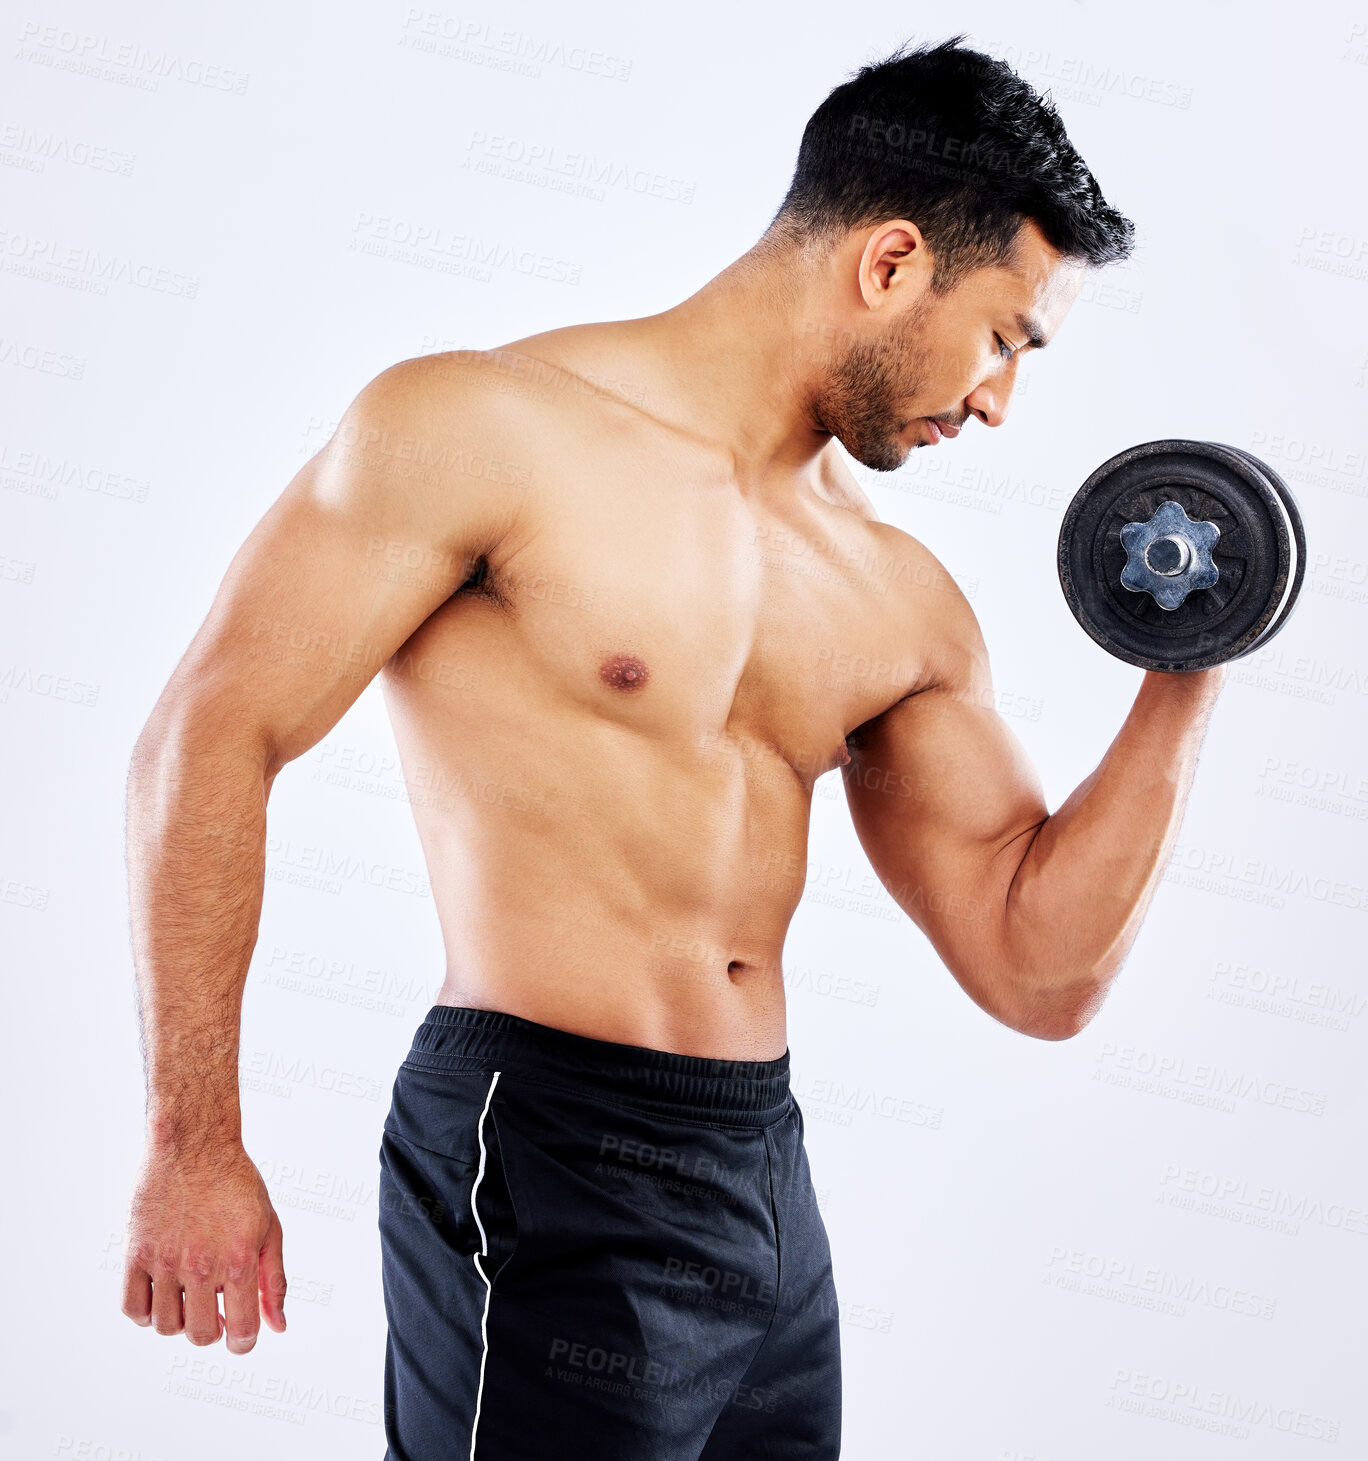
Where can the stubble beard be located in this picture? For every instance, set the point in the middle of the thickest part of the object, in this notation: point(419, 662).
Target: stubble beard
point(859, 404)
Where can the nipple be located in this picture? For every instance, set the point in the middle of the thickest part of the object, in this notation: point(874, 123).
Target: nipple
point(624, 672)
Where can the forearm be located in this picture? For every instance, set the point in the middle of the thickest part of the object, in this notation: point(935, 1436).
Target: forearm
point(1076, 900)
point(196, 830)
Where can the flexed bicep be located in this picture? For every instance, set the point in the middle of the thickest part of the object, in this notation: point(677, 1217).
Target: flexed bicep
point(945, 800)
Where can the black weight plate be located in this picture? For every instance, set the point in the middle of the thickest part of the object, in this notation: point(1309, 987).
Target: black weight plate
point(1289, 502)
point(1299, 538)
point(1254, 555)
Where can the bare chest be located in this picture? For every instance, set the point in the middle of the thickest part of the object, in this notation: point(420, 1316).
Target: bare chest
point(685, 611)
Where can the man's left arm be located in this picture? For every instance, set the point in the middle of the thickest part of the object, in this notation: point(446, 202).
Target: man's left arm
point(1032, 912)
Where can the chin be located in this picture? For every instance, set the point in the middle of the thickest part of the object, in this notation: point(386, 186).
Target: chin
point(881, 449)
point(885, 456)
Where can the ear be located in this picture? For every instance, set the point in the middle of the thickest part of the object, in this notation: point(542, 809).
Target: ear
point(895, 264)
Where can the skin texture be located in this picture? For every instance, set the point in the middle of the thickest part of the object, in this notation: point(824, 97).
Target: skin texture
point(626, 605)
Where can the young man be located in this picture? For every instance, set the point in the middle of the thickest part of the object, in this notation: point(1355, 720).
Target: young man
point(610, 678)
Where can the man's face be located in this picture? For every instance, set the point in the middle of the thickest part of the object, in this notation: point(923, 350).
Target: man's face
point(943, 357)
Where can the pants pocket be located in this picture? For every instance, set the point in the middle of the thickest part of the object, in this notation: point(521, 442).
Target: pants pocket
point(493, 1209)
point(451, 1199)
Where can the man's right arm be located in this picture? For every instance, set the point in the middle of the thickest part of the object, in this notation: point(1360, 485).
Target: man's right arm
point(1032, 911)
point(306, 615)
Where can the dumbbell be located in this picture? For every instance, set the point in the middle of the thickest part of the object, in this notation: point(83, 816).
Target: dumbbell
point(1180, 555)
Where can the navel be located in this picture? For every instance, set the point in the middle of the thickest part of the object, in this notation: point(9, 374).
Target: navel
point(624, 672)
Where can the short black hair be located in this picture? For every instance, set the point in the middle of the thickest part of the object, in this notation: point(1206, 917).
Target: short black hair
point(956, 142)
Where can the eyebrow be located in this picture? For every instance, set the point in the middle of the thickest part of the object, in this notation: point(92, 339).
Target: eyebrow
point(1030, 327)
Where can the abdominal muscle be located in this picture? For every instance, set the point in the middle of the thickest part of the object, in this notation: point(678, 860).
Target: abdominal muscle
point(623, 886)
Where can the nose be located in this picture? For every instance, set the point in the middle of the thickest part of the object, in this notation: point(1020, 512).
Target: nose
point(991, 398)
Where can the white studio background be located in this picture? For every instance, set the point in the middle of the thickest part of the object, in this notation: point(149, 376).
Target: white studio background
point(1149, 1240)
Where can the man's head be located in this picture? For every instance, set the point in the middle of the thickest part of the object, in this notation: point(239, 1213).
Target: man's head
point(955, 221)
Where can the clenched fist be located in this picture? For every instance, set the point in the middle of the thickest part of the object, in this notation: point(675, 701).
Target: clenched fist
point(199, 1227)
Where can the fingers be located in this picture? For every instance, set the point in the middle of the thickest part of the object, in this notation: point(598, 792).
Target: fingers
point(137, 1292)
point(202, 1322)
point(271, 1277)
point(241, 1315)
point(191, 1307)
point(168, 1316)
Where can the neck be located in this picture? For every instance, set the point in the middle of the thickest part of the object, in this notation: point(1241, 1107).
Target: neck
point(745, 355)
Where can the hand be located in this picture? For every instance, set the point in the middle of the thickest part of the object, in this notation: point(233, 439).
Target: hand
point(1197, 688)
point(200, 1226)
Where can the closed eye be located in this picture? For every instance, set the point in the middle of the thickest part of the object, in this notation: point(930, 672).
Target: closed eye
point(1004, 349)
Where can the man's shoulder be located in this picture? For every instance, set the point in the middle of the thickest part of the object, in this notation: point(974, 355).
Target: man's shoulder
point(455, 407)
point(917, 589)
point(503, 380)
point(444, 429)
point(902, 559)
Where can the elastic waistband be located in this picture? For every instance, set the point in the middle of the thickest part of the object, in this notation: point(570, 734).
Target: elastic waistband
point(691, 1087)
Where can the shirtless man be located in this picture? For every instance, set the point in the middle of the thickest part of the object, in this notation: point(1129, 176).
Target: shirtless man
point(572, 560)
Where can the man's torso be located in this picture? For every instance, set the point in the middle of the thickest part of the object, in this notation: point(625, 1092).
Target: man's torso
point(611, 739)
